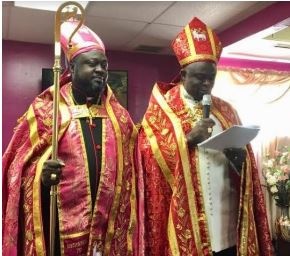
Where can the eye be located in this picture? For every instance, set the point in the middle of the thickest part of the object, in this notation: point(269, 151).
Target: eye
point(200, 77)
point(91, 63)
point(211, 78)
point(94, 63)
point(104, 64)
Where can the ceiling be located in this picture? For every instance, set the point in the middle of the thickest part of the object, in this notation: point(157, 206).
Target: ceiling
point(147, 26)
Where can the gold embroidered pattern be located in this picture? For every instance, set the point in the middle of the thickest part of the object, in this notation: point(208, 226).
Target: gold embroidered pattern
point(123, 119)
point(81, 111)
point(118, 234)
point(29, 235)
point(27, 208)
point(187, 221)
point(47, 122)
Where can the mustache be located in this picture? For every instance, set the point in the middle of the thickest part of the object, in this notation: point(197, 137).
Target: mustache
point(97, 87)
point(99, 81)
point(101, 76)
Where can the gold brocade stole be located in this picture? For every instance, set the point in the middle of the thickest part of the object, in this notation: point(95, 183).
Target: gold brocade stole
point(119, 237)
point(41, 107)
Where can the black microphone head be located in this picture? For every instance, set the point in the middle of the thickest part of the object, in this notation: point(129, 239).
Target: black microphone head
point(206, 99)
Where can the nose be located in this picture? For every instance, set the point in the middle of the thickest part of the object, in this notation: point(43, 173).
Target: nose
point(99, 68)
point(208, 82)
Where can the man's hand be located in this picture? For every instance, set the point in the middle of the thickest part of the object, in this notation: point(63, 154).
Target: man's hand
point(200, 132)
point(51, 172)
point(237, 156)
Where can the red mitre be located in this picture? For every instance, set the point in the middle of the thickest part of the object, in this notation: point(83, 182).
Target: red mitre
point(84, 40)
point(196, 42)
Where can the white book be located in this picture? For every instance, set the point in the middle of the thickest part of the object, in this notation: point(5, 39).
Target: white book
point(238, 136)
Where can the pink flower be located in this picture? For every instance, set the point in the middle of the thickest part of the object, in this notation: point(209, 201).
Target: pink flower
point(285, 168)
point(284, 177)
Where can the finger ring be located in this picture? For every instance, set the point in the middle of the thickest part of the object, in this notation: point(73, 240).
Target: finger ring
point(209, 130)
point(53, 176)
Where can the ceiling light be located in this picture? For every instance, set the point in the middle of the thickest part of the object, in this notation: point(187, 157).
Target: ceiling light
point(282, 45)
point(271, 44)
point(45, 5)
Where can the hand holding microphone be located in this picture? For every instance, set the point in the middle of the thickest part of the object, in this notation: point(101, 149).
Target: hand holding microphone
point(203, 128)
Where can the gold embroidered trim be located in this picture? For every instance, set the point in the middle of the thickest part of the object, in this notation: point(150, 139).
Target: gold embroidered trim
point(133, 218)
point(245, 215)
point(172, 236)
point(211, 39)
point(197, 57)
point(202, 202)
point(190, 41)
point(102, 177)
point(74, 235)
point(37, 217)
point(111, 222)
point(157, 153)
point(185, 166)
point(33, 133)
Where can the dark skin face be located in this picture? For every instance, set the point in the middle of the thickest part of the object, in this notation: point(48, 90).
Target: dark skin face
point(198, 78)
point(89, 74)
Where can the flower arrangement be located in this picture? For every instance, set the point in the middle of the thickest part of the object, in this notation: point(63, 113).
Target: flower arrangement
point(277, 174)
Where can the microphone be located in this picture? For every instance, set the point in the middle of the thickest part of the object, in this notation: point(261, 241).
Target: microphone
point(206, 102)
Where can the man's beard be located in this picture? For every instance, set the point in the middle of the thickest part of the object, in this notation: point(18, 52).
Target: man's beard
point(91, 90)
point(97, 87)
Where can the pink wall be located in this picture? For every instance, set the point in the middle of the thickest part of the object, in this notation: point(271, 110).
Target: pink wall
point(143, 71)
point(21, 78)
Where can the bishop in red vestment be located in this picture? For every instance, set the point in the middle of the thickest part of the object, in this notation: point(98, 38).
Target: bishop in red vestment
point(198, 201)
point(96, 195)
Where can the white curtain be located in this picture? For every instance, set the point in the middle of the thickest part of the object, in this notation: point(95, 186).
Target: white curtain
point(261, 97)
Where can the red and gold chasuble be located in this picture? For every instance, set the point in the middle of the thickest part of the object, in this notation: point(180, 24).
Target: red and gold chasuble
point(175, 219)
point(111, 227)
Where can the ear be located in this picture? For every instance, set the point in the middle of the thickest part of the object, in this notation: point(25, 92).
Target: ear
point(72, 66)
point(182, 74)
